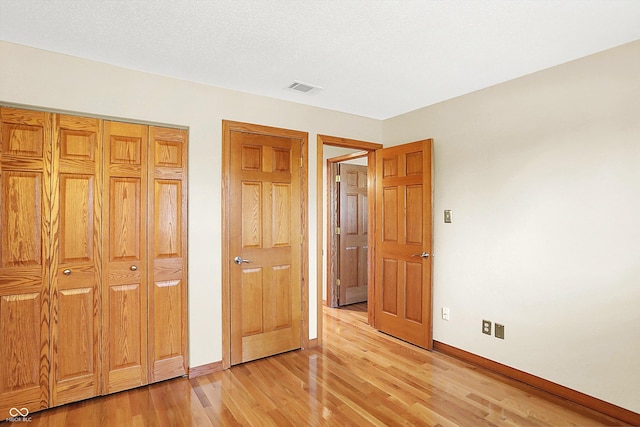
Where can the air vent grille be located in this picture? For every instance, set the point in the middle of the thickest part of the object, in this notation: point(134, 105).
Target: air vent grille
point(303, 87)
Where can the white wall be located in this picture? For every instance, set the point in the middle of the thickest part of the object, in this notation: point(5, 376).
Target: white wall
point(53, 81)
point(542, 175)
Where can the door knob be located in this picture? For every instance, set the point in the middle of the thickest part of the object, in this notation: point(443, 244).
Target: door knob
point(239, 260)
point(67, 272)
point(422, 255)
point(133, 268)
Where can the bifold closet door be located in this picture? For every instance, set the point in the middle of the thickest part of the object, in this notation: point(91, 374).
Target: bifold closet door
point(93, 257)
point(167, 229)
point(25, 168)
point(75, 258)
point(124, 287)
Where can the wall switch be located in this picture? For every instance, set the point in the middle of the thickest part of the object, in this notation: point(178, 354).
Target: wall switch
point(486, 327)
point(499, 331)
point(447, 216)
point(446, 314)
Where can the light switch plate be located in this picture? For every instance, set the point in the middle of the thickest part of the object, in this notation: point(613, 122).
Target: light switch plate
point(447, 216)
point(499, 331)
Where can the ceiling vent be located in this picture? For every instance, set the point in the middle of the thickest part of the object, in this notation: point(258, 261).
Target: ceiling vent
point(304, 87)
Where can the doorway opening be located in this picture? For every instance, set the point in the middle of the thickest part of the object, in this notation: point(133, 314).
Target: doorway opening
point(347, 216)
point(349, 147)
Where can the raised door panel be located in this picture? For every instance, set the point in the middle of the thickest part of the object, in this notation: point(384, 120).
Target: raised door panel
point(124, 276)
point(125, 354)
point(25, 170)
point(125, 223)
point(167, 225)
point(76, 258)
point(22, 218)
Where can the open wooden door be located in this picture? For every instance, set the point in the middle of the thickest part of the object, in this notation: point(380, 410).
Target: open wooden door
point(403, 242)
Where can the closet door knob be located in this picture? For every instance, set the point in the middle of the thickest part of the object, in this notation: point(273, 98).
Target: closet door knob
point(133, 268)
point(67, 272)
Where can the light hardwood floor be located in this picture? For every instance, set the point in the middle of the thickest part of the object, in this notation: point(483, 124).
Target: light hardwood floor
point(358, 377)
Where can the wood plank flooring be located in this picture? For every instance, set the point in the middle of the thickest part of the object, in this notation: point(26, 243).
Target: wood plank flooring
point(359, 377)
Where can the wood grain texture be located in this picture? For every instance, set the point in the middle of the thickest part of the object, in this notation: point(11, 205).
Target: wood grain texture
point(51, 245)
point(209, 368)
point(125, 263)
point(167, 242)
point(332, 238)
point(25, 204)
point(304, 245)
point(337, 141)
point(75, 244)
point(359, 377)
point(371, 224)
point(532, 380)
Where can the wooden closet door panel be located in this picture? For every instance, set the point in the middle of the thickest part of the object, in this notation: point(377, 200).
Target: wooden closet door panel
point(124, 283)
point(168, 253)
point(25, 170)
point(76, 260)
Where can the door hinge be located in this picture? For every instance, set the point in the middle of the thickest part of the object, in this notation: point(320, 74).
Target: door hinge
point(300, 161)
point(337, 230)
point(337, 178)
point(338, 283)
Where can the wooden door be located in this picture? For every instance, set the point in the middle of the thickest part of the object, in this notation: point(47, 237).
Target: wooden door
point(124, 287)
point(264, 214)
point(403, 234)
point(167, 227)
point(76, 258)
point(25, 168)
point(354, 247)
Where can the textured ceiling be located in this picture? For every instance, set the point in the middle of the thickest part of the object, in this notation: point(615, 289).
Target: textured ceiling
point(374, 58)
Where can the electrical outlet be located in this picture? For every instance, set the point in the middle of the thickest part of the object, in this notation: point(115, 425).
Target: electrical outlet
point(446, 314)
point(486, 327)
point(499, 331)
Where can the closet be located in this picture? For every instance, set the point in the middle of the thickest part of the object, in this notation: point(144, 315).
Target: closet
point(93, 267)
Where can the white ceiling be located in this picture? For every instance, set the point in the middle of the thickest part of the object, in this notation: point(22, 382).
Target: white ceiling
point(374, 58)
